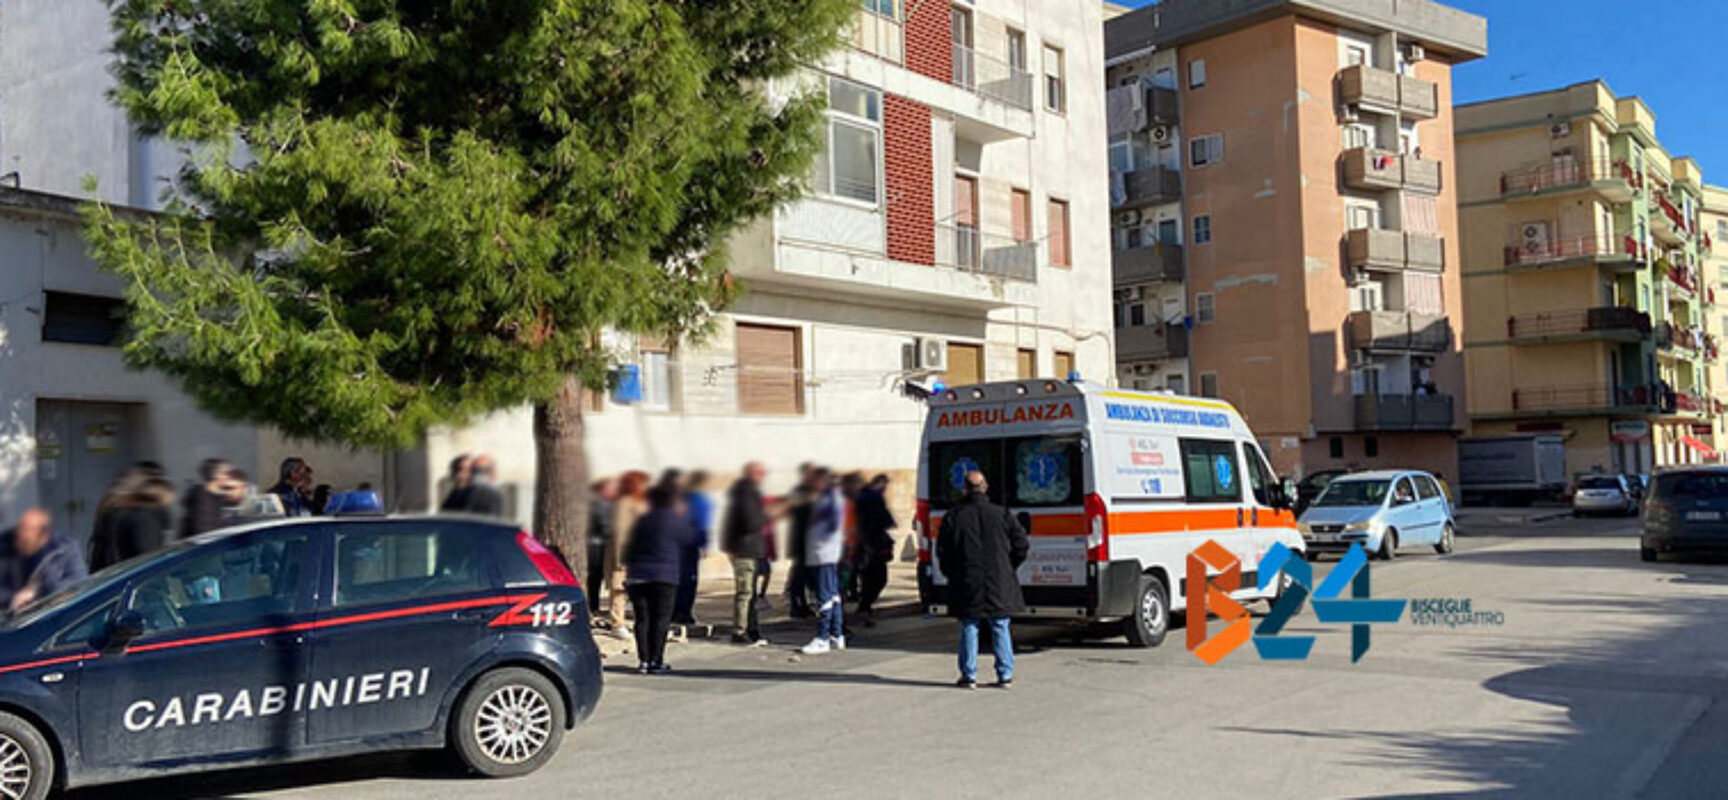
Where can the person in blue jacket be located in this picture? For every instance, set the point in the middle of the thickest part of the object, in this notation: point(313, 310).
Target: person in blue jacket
point(699, 509)
point(653, 561)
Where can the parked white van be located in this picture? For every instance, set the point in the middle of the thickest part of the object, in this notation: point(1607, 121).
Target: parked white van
point(1114, 488)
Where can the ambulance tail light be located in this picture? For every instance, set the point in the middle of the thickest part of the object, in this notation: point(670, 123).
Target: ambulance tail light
point(921, 529)
point(551, 567)
point(1097, 530)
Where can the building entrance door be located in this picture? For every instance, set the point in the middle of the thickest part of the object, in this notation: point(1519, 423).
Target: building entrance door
point(80, 448)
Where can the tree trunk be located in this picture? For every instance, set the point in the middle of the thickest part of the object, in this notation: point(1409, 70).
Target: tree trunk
point(561, 480)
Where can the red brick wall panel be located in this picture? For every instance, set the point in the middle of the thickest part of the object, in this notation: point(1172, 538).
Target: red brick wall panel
point(930, 41)
point(908, 164)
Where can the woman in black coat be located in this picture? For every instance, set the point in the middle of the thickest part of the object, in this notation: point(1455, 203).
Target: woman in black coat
point(144, 524)
point(653, 561)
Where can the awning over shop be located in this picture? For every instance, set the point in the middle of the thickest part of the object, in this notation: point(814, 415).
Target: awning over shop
point(1703, 449)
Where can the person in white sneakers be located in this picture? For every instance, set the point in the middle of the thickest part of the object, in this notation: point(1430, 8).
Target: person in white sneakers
point(822, 558)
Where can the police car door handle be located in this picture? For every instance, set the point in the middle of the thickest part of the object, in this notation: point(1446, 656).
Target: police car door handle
point(476, 614)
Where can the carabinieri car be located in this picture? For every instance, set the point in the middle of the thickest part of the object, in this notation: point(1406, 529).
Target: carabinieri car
point(292, 640)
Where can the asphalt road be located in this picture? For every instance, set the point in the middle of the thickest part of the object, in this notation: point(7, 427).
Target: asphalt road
point(1605, 679)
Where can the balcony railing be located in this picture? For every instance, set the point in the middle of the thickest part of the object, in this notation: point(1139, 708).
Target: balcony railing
point(1565, 175)
point(1388, 92)
point(1621, 324)
point(877, 35)
point(1150, 264)
point(1375, 248)
point(1572, 248)
point(1145, 187)
point(1590, 398)
point(1159, 340)
point(1134, 108)
point(1395, 412)
point(1684, 277)
point(1687, 340)
point(1370, 168)
point(1399, 330)
point(968, 249)
point(992, 77)
point(1678, 220)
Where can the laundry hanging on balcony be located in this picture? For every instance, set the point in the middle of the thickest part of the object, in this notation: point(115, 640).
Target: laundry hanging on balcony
point(1125, 109)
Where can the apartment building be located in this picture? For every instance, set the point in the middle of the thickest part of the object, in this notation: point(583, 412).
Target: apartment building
point(1713, 255)
point(1588, 314)
point(1284, 219)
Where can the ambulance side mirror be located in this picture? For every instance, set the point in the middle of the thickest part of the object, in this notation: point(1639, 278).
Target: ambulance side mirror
point(1287, 493)
point(124, 630)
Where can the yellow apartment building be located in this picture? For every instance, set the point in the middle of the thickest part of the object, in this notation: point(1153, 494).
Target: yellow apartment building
point(1586, 313)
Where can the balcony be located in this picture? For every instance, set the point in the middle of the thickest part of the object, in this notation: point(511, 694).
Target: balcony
point(1377, 249)
point(1687, 342)
point(1399, 331)
point(992, 78)
point(1614, 180)
point(965, 248)
point(877, 35)
point(1622, 252)
point(1684, 277)
point(1672, 224)
point(1145, 187)
point(1149, 342)
point(1584, 400)
point(1137, 107)
point(1603, 324)
point(1402, 412)
point(1372, 169)
point(1154, 263)
point(1388, 92)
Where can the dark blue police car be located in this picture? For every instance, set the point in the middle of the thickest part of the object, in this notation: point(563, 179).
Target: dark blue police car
point(291, 640)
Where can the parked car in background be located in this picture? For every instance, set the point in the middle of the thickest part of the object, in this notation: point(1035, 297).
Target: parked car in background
point(1686, 512)
point(1604, 494)
point(1312, 485)
point(1382, 511)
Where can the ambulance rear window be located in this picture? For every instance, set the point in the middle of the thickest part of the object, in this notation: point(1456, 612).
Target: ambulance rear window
point(949, 463)
point(1048, 471)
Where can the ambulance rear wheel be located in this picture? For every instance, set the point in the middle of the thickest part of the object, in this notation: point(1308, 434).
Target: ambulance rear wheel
point(26, 760)
point(510, 723)
point(1151, 619)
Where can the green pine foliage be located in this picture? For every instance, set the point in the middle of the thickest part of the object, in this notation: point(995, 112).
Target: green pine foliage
point(406, 213)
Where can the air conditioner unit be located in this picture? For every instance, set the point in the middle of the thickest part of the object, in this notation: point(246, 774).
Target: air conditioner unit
point(1127, 218)
point(1142, 369)
point(1533, 237)
point(1351, 113)
point(1415, 52)
point(1560, 130)
point(1161, 133)
point(932, 354)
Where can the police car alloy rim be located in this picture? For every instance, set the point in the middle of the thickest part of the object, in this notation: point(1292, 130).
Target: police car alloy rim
point(513, 724)
point(14, 768)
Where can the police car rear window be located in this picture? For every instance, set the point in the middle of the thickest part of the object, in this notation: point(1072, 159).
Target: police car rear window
point(375, 565)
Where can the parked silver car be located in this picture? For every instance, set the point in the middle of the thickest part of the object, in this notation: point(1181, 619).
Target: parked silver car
point(1605, 494)
point(1382, 511)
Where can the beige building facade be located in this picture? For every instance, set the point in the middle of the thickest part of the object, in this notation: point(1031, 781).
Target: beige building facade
point(1285, 220)
point(1588, 303)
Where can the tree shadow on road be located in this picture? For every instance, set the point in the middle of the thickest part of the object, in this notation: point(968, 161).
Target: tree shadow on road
point(788, 676)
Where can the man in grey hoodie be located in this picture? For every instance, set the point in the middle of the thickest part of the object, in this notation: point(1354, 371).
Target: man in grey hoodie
point(822, 558)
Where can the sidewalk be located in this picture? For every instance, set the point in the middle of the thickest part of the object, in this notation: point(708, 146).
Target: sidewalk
point(714, 607)
point(1475, 517)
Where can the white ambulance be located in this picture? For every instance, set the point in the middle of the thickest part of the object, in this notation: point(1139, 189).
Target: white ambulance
point(1114, 488)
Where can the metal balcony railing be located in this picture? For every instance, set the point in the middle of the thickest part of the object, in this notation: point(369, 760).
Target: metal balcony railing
point(992, 77)
point(1568, 248)
point(1158, 340)
point(1390, 412)
point(877, 35)
point(1145, 187)
point(1622, 324)
point(1152, 263)
point(1562, 175)
point(966, 248)
point(1590, 397)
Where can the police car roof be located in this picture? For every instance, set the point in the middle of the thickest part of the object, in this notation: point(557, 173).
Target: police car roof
point(286, 522)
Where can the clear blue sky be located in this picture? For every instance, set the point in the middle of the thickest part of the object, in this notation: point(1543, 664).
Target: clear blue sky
point(1672, 53)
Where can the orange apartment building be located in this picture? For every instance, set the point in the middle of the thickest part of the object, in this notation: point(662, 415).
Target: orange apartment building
point(1289, 169)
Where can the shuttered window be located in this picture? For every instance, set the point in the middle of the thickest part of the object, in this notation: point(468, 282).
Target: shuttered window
point(770, 370)
point(1059, 252)
point(965, 364)
point(1064, 363)
point(1026, 364)
point(1020, 215)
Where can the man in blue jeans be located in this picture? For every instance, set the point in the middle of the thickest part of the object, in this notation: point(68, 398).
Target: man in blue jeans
point(822, 558)
point(980, 547)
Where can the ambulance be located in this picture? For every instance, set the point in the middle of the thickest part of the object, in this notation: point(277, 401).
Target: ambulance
point(1114, 489)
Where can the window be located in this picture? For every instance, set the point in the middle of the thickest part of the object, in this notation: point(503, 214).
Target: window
point(1403, 494)
point(1208, 149)
point(1137, 314)
point(1205, 309)
point(770, 370)
point(883, 8)
point(377, 564)
point(1045, 471)
point(1017, 51)
point(949, 463)
point(1722, 230)
point(1055, 84)
point(1202, 229)
point(1060, 255)
point(230, 586)
point(1425, 488)
point(1020, 215)
point(850, 168)
point(1176, 384)
point(1359, 136)
point(83, 319)
point(83, 633)
point(1360, 217)
point(1260, 480)
point(1371, 446)
point(1208, 384)
point(1335, 447)
point(656, 379)
point(1063, 363)
point(1164, 78)
point(965, 364)
point(1197, 73)
point(1025, 364)
point(1210, 471)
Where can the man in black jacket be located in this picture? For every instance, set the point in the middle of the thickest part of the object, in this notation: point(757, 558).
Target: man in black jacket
point(876, 545)
point(205, 503)
point(979, 548)
point(742, 537)
point(481, 496)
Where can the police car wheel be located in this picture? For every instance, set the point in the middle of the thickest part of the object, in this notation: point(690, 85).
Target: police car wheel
point(26, 762)
point(1151, 619)
point(510, 723)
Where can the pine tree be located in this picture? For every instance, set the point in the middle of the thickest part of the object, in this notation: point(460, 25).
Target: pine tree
point(402, 214)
